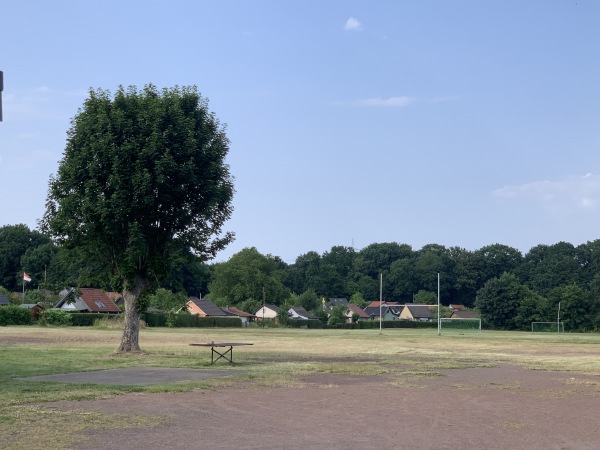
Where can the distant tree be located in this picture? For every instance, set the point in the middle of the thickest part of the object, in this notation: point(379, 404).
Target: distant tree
point(143, 180)
point(532, 308)
point(425, 298)
point(15, 241)
point(576, 307)
point(283, 316)
point(498, 301)
point(249, 275)
point(309, 300)
point(168, 301)
point(358, 300)
point(337, 315)
point(249, 306)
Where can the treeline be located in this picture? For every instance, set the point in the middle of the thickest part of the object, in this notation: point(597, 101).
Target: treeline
point(510, 289)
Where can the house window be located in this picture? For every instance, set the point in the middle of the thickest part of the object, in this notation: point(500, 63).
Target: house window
point(100, 305)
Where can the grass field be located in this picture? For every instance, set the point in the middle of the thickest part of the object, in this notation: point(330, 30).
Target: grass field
point(278, 358)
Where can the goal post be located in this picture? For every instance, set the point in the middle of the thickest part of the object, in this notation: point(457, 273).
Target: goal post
point(547, 327)
point(460, 324)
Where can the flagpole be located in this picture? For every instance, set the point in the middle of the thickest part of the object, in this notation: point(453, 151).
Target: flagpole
point(23, 295)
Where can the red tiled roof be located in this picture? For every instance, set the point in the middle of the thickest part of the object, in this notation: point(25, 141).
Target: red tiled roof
point(357, 310)
point(97, 300)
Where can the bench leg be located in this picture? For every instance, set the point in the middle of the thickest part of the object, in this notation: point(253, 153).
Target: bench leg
point(222, 355)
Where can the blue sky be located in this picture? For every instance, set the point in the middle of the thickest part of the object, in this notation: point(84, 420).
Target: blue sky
point(462, 123)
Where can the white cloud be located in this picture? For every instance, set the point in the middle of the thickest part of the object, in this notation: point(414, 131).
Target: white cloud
point(389, 101)
point(574, 192)
point(353, 24)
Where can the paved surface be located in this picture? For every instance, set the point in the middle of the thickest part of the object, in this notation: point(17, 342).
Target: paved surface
point(136, 376)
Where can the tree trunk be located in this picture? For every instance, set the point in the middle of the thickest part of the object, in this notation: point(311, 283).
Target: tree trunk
point(131, 326)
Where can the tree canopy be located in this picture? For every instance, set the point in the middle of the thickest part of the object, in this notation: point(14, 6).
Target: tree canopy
point(142, 181)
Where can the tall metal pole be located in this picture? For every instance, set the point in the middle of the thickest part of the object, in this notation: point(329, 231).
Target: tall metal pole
point(558, 320)
point(380, 302)
point(439, 322)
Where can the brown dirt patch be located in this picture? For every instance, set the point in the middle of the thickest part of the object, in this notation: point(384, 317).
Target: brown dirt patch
point(481, 408)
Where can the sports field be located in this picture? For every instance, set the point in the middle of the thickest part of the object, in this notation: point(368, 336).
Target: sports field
point(303, 389)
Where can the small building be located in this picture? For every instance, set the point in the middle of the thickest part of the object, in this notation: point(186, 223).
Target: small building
point(267, 312)
point(389, 311)
point(456, 307)
point(331, 302)
point(416, 312)
point(245, 317)
point(353, 309)
point(204, 308)
point(34, 308)
point(464, 314)
point(4, 301)
point(298, 312)
point(87, 300)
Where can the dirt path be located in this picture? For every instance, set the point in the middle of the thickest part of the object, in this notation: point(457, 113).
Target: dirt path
point(505, 407)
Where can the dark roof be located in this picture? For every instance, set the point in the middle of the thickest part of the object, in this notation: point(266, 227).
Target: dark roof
point(273, 307)
point(237, 312)
point(4, 300)
point(337, 301)
point(300, 311)
point(209, 308)
point(393, 307)
point(419, 311)
point(461, 314)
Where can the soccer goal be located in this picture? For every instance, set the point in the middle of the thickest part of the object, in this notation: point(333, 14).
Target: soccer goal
point(547, 327)
point(460, 325)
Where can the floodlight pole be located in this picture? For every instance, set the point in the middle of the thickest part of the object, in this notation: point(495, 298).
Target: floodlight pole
point(380, 302)
point(558, 319)
point(438, 318)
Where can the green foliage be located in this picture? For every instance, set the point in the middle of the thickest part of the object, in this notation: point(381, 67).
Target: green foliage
point(575, 307)
point(282, 316)
point(322, 315)
point(336, 316)
point(143, 181)
point(498, 301)
point(84, 319)
point(358, 300)
point(301, 323)
point(425, 298)
point(55, 317)
point(249, 306)
point(309, 300)
point(249, 275)
point(15, 315)
point(166, 300)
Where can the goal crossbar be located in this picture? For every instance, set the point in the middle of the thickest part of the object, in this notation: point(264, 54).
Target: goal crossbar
point(460, 323)
point(548, 327)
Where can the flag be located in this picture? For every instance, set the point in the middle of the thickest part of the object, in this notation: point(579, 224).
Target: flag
point(26, 277)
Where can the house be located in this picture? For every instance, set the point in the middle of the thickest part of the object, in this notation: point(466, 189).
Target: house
point(298, 312)
point(353, 309)
point(4, 301)
point(389, 311)
point(245, 317)
point(117, 298)
point(204, 308)
point(331, 302)
point(34, 308)
point(462, 314)
point(87, 300)
point(416, 312)
point(267, 312)
point(456, 307)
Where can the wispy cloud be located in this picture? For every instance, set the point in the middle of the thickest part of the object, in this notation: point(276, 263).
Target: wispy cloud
point(387, 102)
point(574, 192)
point(353, 24)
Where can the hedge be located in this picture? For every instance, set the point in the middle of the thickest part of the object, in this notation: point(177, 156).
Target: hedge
point(189, 321)
point(372, 324)
point(15, 315)
point(303, 323)
point(85, 319)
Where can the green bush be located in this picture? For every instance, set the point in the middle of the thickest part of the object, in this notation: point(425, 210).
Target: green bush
point(84, 319)
point(301, 323)
point(55, 317)
point(15, 315)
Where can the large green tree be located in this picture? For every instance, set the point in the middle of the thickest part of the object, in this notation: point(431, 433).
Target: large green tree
point(15, 241)
point(499, 300)
point(143, 180)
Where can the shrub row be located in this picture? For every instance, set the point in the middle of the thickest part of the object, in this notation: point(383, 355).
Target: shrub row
point(371, 324)
point(189, 321)
point(302, 323)
point(15, 315)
